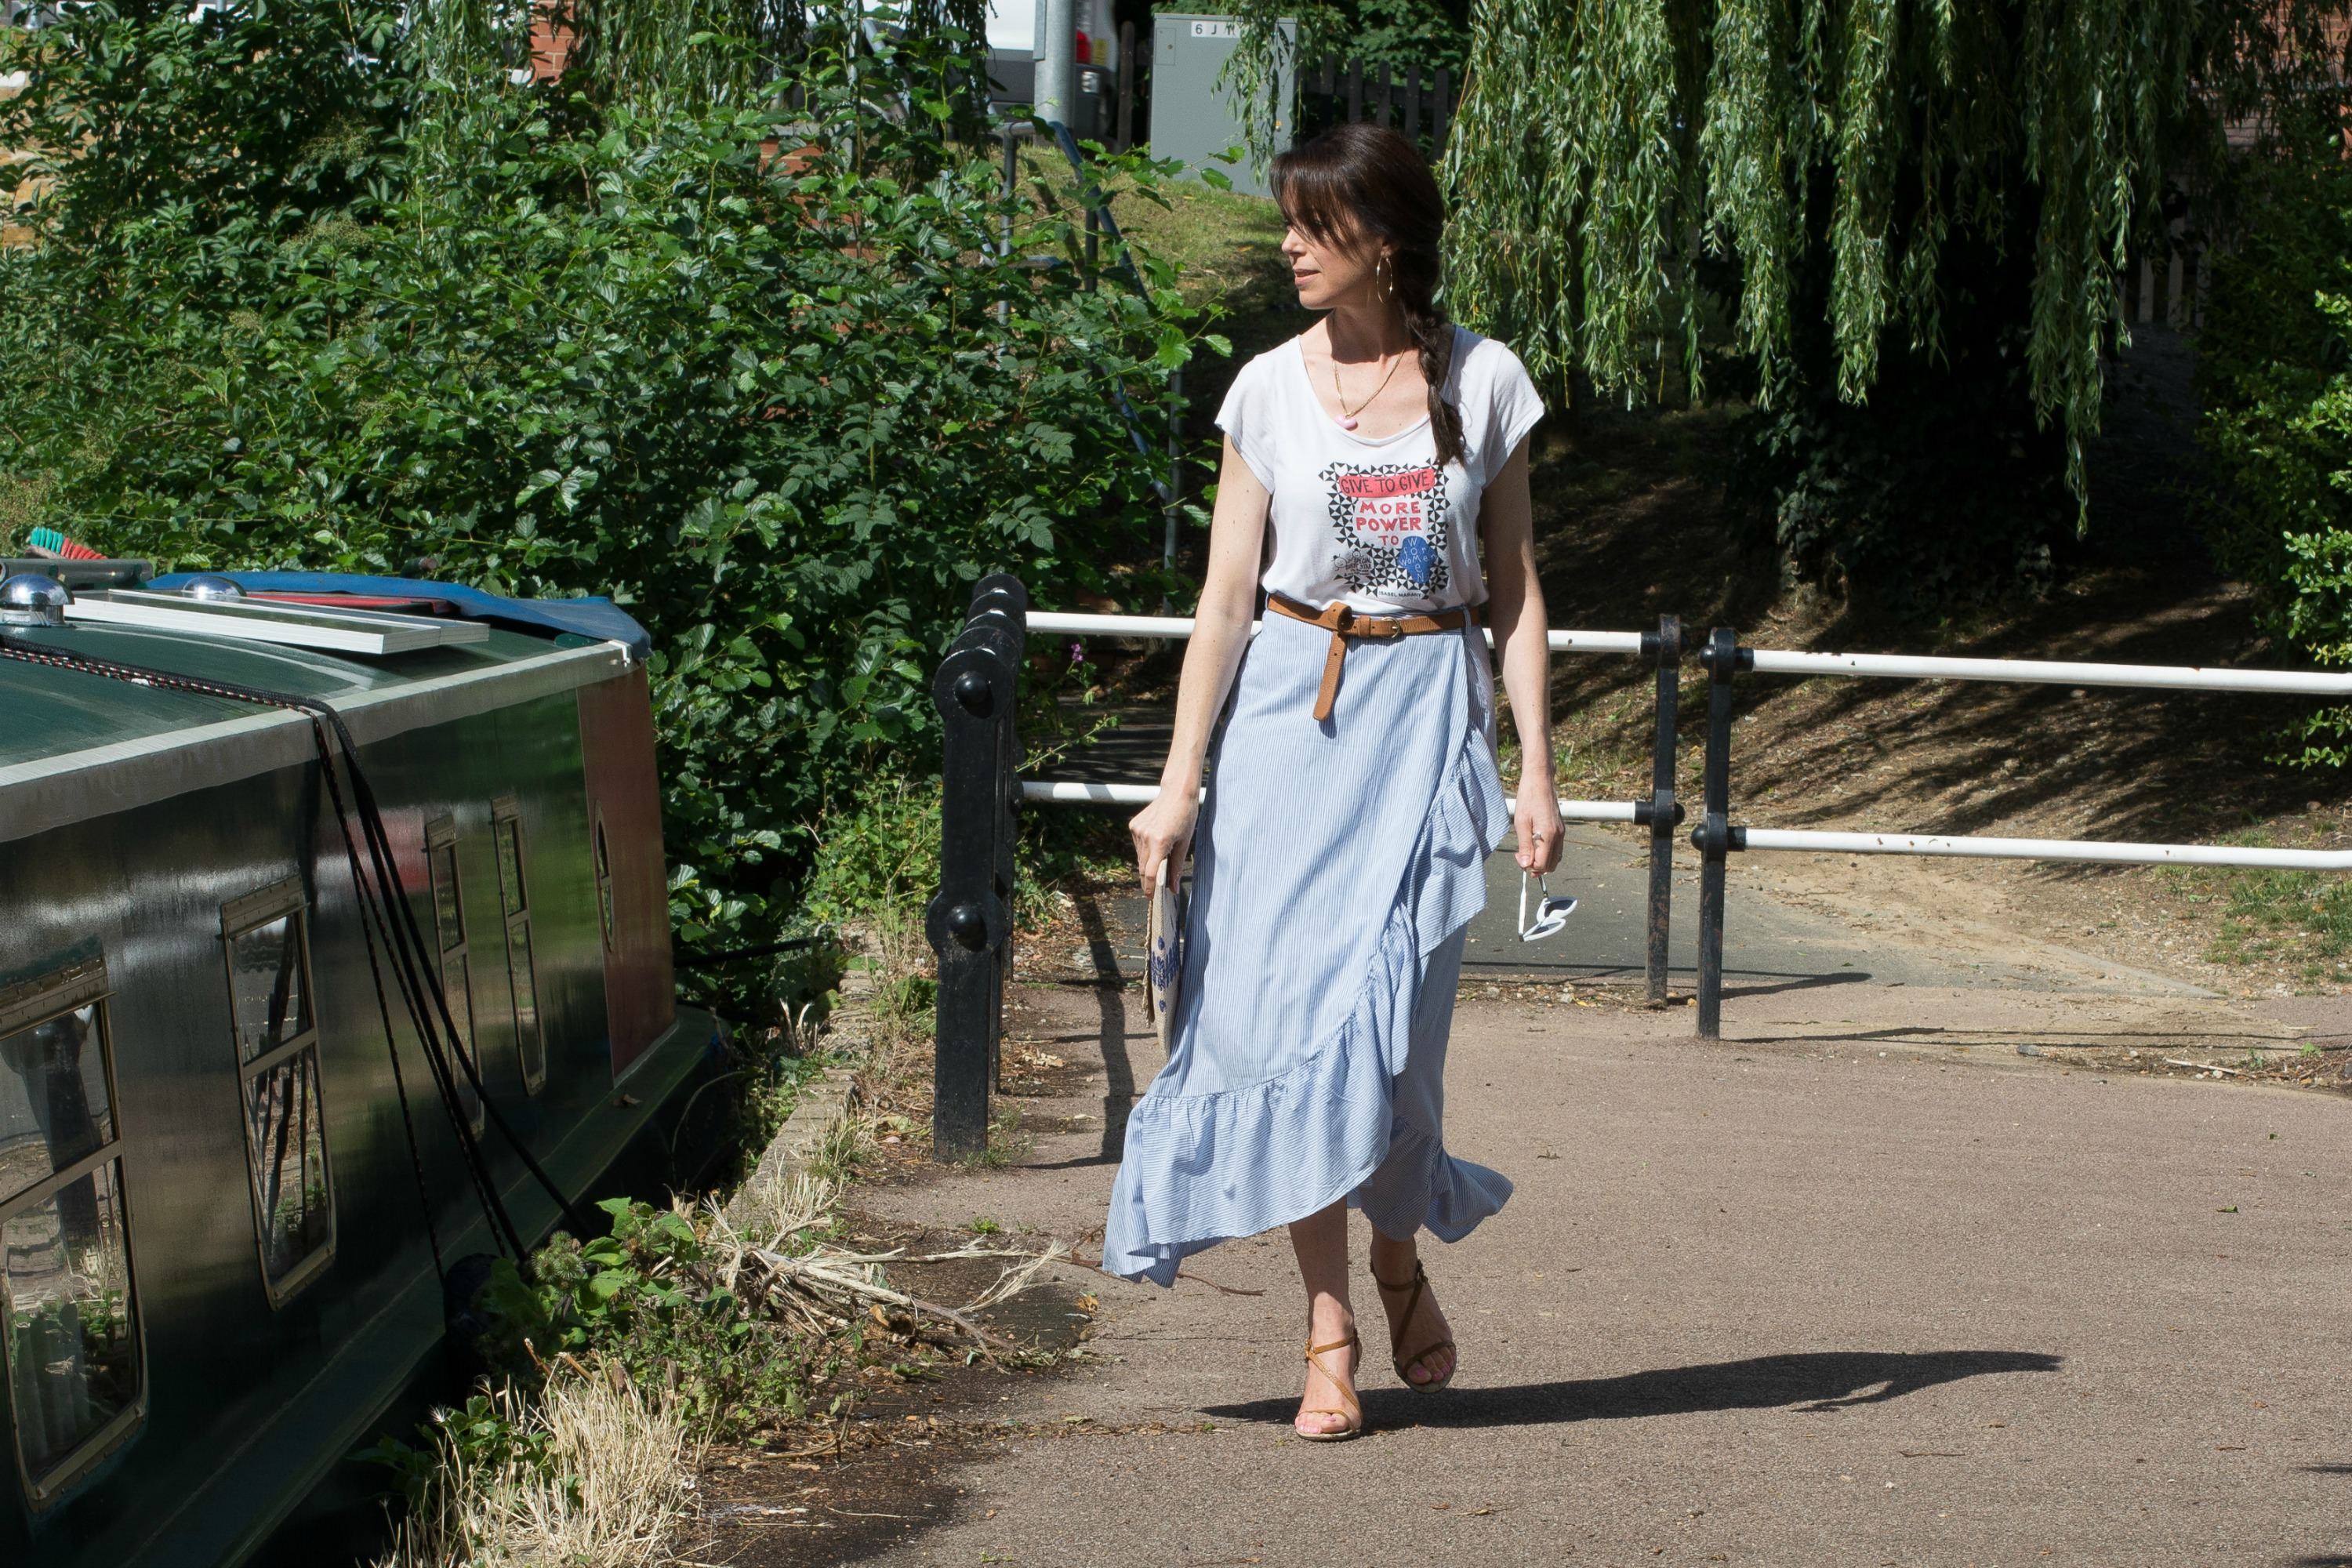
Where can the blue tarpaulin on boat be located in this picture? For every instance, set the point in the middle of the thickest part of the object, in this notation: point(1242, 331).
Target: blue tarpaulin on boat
point(597, 618)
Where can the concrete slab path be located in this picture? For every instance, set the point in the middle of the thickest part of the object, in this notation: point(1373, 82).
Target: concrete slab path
point(1833, 1292)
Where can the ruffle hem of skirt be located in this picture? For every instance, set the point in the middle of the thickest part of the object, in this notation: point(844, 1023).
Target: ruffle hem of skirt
point(1328, 1118)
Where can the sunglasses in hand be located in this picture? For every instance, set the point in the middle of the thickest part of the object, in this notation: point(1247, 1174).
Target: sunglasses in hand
point(1551, 913)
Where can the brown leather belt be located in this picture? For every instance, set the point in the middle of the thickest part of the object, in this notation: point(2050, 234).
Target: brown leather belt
point(1343, 623)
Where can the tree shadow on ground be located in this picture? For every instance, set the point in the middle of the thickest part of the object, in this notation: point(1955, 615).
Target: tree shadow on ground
point(1807, 1381)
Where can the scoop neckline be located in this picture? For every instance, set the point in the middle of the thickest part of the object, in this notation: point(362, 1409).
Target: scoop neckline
point(1307, 380)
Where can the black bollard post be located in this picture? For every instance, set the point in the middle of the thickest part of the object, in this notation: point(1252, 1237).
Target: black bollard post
point(1722, 658)
point(1664, 813)
point(970, 921)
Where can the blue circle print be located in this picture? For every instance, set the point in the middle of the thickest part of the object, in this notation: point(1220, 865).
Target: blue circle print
point(1415, 557)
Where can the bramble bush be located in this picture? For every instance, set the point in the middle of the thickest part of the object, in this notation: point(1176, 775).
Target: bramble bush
point(2275, 377)
point(751, 363)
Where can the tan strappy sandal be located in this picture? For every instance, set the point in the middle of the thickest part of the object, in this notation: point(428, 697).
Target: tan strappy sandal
point(1353, 1410)
point(1404, 1364)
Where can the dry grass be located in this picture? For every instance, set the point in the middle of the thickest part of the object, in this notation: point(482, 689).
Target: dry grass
point(774, 1205)
point(617, 1487)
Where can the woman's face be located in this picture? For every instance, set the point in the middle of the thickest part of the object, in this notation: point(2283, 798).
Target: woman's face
point(1330, 274)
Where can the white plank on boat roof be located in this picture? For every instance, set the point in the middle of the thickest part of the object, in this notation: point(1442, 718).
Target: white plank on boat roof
point(295, 626)
point(447, 629)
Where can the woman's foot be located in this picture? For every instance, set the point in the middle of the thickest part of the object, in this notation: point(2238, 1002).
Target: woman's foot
point(1419, 1340)
point(1329, 1410)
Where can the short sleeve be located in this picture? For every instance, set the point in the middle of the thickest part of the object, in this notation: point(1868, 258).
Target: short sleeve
point(1514, 407)
point(1245, 419)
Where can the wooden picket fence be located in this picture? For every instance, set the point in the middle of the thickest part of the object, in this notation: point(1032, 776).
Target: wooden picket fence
point(1418, 100)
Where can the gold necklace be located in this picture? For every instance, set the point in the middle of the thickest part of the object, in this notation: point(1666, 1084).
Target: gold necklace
point(1348, 415)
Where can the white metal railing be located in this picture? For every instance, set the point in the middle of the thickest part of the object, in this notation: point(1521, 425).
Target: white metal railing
point(2092, 851)
point(1715, 837)
point(977, 692)
point(2050, 672)
point(1063, 792)
point(1069, 791)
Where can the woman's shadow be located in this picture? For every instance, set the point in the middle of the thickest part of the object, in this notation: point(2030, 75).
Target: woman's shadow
point(1821, 1380)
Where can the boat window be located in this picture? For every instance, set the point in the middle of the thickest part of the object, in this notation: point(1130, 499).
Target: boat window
point(522, 980)
point(456, 967)
point(270, 1007)
point(71, 1352)
point(604, 882)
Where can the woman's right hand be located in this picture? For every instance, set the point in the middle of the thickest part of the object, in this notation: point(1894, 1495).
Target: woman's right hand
point(1163, 832)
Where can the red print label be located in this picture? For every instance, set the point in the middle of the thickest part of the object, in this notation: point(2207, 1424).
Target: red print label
point(1373, 487)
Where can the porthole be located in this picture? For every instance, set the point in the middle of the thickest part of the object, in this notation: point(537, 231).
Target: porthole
point(266, 941)
point(455, 955)
point(514, 910)
point(72, 1356)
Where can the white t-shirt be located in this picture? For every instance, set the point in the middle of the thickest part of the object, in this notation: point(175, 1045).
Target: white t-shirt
point(1374, 521)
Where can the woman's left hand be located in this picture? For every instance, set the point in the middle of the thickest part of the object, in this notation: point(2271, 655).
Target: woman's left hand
point(1536, 819)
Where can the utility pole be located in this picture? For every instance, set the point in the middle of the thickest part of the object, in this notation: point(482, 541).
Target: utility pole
point(1057, 62)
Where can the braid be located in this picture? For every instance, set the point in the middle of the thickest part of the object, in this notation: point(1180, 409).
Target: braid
point(1432, 334)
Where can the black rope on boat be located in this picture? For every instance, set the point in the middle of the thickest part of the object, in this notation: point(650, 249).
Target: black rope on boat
point(371, 899)
point(384, 1007)
point(404, 942)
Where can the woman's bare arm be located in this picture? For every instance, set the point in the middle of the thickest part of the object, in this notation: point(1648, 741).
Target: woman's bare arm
point(1163, 830)
point(1515, 608)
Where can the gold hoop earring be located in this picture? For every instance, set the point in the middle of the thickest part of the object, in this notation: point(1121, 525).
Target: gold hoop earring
point(1384, 279)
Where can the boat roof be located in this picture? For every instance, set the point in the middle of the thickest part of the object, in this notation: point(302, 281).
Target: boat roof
point(76, 744)
point(47, 713)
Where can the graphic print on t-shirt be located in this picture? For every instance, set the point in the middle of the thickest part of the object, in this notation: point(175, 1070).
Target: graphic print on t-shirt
point(1391, 523)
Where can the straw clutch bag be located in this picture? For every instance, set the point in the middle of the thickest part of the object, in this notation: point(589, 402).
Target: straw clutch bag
point(1163, 955)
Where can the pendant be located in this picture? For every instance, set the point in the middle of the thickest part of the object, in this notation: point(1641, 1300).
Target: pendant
point(1347, 424)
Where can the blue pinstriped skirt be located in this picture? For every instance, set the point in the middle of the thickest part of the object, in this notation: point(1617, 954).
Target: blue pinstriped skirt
point(1336, 865)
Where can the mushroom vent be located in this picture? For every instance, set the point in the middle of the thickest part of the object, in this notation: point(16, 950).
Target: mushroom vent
point(29, 599)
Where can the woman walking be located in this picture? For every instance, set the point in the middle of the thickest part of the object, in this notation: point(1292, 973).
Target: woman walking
point(1353, 797)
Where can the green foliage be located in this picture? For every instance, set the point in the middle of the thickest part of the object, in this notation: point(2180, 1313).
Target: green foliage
point(767, 1090)
point(1396, 33)
point(909, 999)
point(2275, 915)
point(2275, 376)
point(489, 1434)
point(755, 371)
point(880, 852)
point(634, 1298)
point(1624, 144)
point(1426, 33)
point(139, 111)
point(1844, 163)
point(1941, 488)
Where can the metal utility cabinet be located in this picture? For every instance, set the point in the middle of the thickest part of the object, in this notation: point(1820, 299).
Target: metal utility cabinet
point(1192, 117)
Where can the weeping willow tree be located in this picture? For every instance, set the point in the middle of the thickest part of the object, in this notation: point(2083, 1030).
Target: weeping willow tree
point(1858, 187)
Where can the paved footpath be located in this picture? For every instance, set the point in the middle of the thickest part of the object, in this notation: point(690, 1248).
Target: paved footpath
point(1830, 1293)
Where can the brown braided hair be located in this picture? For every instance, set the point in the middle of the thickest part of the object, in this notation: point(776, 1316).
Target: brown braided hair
point(1368, 184)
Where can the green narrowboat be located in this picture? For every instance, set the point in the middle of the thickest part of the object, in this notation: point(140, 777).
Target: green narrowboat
point(251, 1114)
